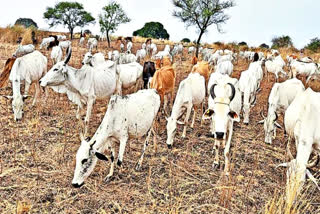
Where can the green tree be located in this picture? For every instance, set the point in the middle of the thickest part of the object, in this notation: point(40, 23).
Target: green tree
point(69, 14)
point(152, 30)
point(26, 22)
point(186, 40)
point(281, 42)
point(263, 45)
point(314, 44)
point(202, 14)
point(243, 44)
point(111, 17)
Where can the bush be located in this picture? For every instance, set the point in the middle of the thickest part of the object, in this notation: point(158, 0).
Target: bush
point(242, 44)
point(281, 42)
point(186, 40)
point(26, 22)
point(264, 46)
point(152, 30)
point(314, 44)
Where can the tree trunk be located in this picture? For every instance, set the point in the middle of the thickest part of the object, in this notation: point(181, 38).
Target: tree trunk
point(71, 33)
point(108, 39)
point(198, 43)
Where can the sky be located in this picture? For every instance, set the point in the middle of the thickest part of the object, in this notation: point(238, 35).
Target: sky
point(252, 21)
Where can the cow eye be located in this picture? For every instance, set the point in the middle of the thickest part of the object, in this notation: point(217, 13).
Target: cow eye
point(84, 161)
point(56, 69)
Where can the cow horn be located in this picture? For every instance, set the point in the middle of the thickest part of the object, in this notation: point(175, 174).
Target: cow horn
point(276, 116)
point(315, 162)
point(233, 92)
point(69, 50)
point(212, 91)
point(261, 113)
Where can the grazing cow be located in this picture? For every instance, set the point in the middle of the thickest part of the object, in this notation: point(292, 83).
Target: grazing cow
point(127, 117)
point(125, 58)
point(224, 108)
point(225, 58)
point(162, 54)
point(29, 68)
point(281, 96)
point(248, 84)
point(302, 122)
point(4, 76)
point(163, 81)
point(61, 37)
point(53, 43)
point(141, 54)
point(309, 70)
point(213, 58)
point(84, 85)
point(92, 43)
point(275, 66)
point(148, 71)
point(130, 75)
point(191, 93)
point(23, 50)
point(46, 41)
point(65, 44)
point(56, 54)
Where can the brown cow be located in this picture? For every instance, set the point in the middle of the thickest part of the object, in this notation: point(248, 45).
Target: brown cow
point(4, 76)
point(194, 60)
point(203, 69)
point(163, 81)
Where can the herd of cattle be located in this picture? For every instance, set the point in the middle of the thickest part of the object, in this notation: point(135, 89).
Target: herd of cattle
point(134, 115)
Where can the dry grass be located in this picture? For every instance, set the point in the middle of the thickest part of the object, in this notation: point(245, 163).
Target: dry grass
point(38, 160)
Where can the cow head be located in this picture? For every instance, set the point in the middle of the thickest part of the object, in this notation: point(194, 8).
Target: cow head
point(17, 105)
point(221, 113)
point(269, 124)
point(58, 73)
point(247, 108)
point(86, 160)
point(172, 127)
point(87, 59)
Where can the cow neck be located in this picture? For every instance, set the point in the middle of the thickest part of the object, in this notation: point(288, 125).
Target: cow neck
point(16, 80)
point(76, 78)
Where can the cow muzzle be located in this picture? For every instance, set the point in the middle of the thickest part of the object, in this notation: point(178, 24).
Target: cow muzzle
point(219, 135)
point(77, 185)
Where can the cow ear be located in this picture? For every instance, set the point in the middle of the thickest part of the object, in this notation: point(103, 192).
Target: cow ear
point(81, 137)
point(25, 97)
point(233, 115)
point(208, 114)
point(261, 122)
point(277, 125)
point(101, 156)
point(8, 97)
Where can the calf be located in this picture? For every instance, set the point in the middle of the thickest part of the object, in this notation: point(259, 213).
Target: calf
point(126, 118)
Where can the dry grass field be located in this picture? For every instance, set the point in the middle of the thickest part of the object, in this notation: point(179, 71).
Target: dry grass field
point(37, 161)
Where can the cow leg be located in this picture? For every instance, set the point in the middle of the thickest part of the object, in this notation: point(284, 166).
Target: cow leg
point(37, 88)
point(201, 112)
point(78, 113)
point(108, 177)
point(88, 115)
point(186, 121)
point(123, 142)
point(165, 101)
point(26, 88)
point(216, 147)
point(194, 116)
point(146, 143)
point(227, 151)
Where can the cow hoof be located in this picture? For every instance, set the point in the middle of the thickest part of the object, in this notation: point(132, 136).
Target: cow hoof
point(108, 179)
point(215, 165)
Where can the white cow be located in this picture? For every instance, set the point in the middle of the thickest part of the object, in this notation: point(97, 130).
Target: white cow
point(225, 67)
point(191, 50)
point(125, 58)
point(274, 67)
point(224, 108)
point(92, 43)
point(28, 68)
point(61, 37)
point(141, 54)
point(302, 123)
point(225, 58)
point(65, 44)
point(129, 47)
point(56, 54)
point(23, 50)
point(154, 49)
point(281, 96)
point(128, 117)
point(94, 60)
point(191, 93)
point(46, 41)
point(248, 84)
point(130, 75)
point(310, 70)
point(81, 41)
point(84, 85)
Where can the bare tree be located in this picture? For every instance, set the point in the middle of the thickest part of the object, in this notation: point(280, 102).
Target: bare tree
point(202, 14)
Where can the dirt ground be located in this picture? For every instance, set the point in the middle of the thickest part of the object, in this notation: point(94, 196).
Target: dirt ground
point(37, 161)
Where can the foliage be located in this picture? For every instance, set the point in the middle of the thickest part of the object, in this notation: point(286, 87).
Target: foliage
point(263, 45)
point(281, 42)
point(69, 14)
point(314, 44)
point(242, 44)
point(26, 22)
point(111, 17)
point(186, 40)
point(152, 30)
point(202, 14)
